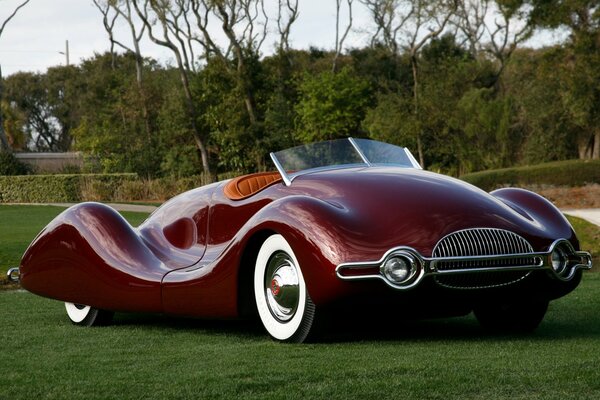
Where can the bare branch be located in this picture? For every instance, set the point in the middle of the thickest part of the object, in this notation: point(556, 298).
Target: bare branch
point(339, 42)
point(11, 16)
point(284, 28)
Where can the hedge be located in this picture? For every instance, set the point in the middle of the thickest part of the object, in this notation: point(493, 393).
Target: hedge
point(57, 188)
point(96, 187)
point(558, 173)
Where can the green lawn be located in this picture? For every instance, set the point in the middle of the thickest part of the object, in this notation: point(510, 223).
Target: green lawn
point(146, 356)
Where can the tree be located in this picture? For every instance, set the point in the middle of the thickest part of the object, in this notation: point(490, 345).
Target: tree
point(331, 105)
point(431, 16)
point(168, 15)
point(123, 9)
point(339, 40)
point(419, 21)
point(43, 102)
point(582, 95)
point(4, 145)
point(494, 28)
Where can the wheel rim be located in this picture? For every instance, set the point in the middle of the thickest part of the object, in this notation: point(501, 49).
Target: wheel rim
point(77, 312)
point(276, 259)
point(282, 286)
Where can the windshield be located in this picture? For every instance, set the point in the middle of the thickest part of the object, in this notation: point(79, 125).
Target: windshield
point(339, 153)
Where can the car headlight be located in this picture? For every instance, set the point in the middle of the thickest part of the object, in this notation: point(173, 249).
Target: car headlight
point(398, 268)
point(559, 260)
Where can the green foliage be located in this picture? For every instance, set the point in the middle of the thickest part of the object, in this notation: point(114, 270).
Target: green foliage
point(486, 122)
point(10, 165)
point(559, 173)
point(392, 121)
point(116, 132)
point(58, 188)
point(331, 105)
point(469, 115)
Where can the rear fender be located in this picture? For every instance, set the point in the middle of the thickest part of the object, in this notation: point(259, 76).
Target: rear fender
point(90, 255)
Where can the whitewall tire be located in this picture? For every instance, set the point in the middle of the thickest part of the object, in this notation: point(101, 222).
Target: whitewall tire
point(87, 316)
point(284, 306)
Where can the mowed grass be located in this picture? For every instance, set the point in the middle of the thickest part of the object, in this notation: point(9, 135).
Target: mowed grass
point(151, 356)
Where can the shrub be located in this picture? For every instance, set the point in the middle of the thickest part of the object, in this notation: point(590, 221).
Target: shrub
point(558, 173)
point(10, 165)
point(96, 187)
point(60, 188)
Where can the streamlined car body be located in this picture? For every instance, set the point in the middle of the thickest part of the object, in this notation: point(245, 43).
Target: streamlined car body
point(342, 223)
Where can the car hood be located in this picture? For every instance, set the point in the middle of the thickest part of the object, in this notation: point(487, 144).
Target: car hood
point(385, 207)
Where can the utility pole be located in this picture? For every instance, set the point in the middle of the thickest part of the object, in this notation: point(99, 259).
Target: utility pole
point(66, 52)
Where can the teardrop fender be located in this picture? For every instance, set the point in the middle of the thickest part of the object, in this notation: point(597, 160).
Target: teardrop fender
point(548, 219)
point(90, 255)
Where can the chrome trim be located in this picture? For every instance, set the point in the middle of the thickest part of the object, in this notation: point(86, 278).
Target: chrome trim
point(13, 275)
point(541, 261)
point(286, 179)
point(481, 241)
point(412, 159)
point(359, 151)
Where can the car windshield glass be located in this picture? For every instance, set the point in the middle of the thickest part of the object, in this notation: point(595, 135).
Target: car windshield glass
point(339, 153)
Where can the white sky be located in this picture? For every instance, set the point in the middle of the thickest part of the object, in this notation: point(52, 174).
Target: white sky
point(33, 40)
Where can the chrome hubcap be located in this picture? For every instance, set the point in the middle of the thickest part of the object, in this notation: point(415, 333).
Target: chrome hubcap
point(282, 286)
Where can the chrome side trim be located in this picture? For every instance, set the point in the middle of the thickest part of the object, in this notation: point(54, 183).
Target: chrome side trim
point(540, 261)
point(286, 179)
point(13, 275)
point(359, 151)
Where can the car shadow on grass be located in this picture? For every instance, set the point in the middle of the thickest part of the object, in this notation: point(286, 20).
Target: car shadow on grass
point(366, 329)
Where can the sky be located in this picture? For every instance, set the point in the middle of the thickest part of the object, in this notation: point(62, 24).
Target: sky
point(35, 38)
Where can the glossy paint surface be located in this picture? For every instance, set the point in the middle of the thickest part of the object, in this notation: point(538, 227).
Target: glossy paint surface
point(187, 257)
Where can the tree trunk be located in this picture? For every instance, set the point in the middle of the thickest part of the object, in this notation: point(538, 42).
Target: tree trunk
point(415, 72)
point(585, 147)
point(192, 115)
point(4, 145)
point(596, 148)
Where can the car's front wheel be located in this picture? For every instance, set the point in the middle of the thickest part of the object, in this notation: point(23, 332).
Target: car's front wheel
point(511, 318)
point(284, 306)
point(88, 316)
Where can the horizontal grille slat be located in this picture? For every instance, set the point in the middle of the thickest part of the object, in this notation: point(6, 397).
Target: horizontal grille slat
point(481, 242)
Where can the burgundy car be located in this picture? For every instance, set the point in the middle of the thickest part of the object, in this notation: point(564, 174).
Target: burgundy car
point(349, 223)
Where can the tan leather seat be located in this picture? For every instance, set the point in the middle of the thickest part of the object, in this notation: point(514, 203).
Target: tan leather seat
point(245, 186)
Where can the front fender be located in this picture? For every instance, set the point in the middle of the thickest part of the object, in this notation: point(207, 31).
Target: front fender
point(539, 210)
point(322, 234)
point(319, 232)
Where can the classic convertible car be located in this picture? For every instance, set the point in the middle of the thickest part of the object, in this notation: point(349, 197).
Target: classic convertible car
point(342, 224)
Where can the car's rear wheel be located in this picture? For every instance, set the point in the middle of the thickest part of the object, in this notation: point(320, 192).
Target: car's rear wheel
point(284, 306)
point(511, 318)
point(83, 315)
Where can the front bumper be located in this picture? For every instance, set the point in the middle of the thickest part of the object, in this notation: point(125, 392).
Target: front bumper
point(421, 267)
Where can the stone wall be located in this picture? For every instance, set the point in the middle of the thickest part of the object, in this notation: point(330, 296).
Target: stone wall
point(51, 162)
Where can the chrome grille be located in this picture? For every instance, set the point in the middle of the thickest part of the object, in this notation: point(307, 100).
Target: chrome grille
point(481, 242)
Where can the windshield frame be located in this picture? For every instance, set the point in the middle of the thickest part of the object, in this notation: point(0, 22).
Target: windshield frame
point(366, 163)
